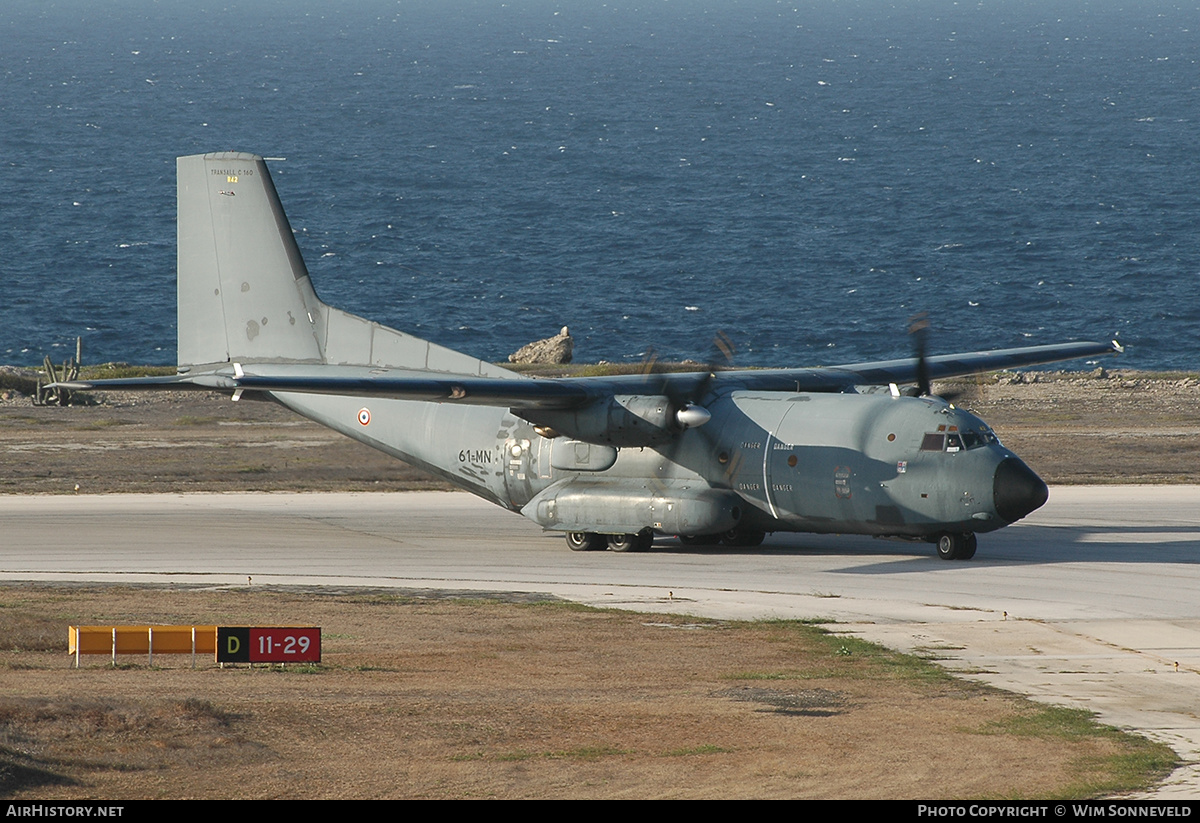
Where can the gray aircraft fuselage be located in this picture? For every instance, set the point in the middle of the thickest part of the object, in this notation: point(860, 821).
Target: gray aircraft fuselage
point(813, 462)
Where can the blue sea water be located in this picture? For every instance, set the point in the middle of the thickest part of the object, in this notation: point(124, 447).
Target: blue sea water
point(804, 176)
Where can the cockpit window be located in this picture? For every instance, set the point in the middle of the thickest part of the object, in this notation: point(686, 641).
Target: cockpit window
point(972, 440)
point(982, 437)
point(956, 441)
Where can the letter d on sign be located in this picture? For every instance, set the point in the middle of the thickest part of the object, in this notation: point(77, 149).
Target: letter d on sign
point(233, 644)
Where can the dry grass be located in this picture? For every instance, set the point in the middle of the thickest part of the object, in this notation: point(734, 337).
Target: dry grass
point(427, 697)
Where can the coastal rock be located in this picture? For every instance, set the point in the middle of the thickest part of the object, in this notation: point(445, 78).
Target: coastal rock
point(557, 349)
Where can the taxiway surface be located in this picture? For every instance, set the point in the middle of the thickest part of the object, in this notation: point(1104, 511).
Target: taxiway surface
point(1093, 601)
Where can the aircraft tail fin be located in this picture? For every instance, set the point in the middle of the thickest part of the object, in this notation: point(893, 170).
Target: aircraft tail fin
point(244, 291)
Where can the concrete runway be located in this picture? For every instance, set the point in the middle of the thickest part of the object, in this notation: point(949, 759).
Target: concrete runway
point(1094, 601)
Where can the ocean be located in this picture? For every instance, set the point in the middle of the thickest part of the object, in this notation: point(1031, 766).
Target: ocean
point(802, 176)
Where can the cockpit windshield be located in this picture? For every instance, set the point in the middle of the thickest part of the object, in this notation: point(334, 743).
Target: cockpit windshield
point(956, 441)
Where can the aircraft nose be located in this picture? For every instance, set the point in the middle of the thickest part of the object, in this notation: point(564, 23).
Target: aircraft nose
point(1017, 490)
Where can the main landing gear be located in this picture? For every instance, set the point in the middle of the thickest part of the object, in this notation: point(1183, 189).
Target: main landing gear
point(956, 546)
point(640, 542)
point(590, 542)
point(584, 541)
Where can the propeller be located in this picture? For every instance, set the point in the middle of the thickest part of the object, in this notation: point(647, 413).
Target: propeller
point(685, 398)
point(918, 329)
point(688, 412)
point(687, 403)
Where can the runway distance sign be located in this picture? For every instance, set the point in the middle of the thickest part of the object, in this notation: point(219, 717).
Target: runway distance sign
point(258, 644)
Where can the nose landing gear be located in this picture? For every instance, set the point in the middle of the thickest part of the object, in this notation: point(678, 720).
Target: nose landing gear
point(956, 546)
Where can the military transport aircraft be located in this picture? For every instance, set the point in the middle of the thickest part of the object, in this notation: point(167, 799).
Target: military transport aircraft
point(709, 456)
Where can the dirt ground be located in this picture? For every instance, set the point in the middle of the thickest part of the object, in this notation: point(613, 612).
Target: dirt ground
point(426, 697)
point(1126, 427)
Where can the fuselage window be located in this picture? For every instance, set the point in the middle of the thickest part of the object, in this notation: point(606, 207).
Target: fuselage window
point(933, 443)
point(953, 442)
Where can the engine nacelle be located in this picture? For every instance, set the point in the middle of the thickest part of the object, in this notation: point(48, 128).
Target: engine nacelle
point(620, 420)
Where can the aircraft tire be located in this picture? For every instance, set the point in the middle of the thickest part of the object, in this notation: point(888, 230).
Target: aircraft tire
point(585, 541)
point(970, 544)
point(954, 546)
point(639, 542)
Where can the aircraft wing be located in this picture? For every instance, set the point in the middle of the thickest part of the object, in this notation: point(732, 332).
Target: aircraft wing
point(883, 372)
point(355, 381)
point(573, 392)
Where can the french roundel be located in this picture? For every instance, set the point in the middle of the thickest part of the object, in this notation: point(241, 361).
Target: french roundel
point(364, 416)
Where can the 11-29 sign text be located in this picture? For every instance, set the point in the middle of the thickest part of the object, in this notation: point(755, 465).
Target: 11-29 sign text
point(290, 644)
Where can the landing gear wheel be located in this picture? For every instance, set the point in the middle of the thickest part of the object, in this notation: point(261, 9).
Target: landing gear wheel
point(743, 538)
point(956, 546)
point(584, 541)
point(639, 542)
point(969, 547)
point(947, 546)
